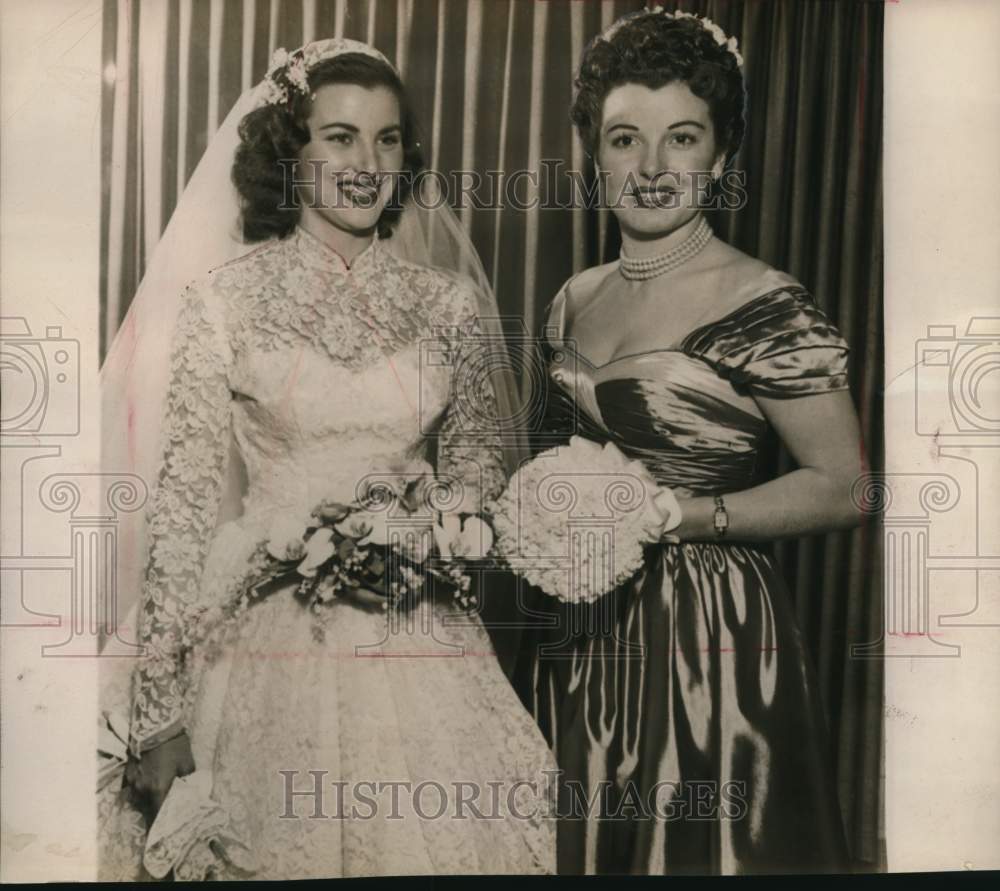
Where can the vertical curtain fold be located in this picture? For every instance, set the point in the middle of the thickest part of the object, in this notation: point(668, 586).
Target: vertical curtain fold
point(491, 83)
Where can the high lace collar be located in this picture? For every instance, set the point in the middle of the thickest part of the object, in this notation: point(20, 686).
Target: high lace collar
point(318, 253)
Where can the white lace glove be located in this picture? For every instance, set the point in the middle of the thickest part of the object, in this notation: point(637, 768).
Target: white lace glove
point(193, 835)
point(665, 505)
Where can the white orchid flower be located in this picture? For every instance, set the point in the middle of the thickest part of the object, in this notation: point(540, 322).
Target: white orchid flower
point(378, 527)
point(472, 539)
point(476, 539)
point(354, 525)
point(319, 549)
point(446, 532)
point(286, 536)
point(365, 526)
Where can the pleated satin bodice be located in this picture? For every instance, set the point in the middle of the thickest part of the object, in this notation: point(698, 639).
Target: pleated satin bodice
point(689, 413)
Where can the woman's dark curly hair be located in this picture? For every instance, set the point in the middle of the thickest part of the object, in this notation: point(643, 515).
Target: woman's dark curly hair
point(275, 132)
point(654, 50)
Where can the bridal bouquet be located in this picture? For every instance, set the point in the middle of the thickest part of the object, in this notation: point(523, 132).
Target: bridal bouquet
point(573, 521)
point(388, 541)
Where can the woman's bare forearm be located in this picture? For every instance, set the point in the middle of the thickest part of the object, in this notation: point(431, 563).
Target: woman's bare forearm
point(806, 501)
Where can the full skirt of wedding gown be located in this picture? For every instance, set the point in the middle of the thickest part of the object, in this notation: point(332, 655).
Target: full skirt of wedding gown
point(424, 711)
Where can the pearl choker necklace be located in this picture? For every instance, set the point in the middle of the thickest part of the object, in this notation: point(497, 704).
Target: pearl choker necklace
point(643, 268)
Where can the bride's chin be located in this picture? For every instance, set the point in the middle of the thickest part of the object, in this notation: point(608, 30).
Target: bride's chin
point(355, 221)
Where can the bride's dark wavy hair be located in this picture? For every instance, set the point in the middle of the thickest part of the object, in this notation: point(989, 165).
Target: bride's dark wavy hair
point(275, 132)
point(653, 51)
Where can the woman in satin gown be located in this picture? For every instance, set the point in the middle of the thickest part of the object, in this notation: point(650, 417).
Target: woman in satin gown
point(260, 759)
point(686, 719)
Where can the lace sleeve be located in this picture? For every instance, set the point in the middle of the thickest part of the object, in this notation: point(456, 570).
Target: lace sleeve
point(470, 447)
point(182, 514)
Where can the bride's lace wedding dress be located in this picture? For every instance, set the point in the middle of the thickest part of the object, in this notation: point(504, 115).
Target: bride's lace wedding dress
point(315, 758)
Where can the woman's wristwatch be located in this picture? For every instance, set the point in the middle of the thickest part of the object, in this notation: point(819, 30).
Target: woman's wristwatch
point(721, 517)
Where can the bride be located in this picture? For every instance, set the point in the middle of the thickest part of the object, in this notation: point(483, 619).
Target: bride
point(295, 374)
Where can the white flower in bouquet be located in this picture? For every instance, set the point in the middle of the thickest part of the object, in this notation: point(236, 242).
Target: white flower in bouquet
point(319, 548)
point(286, 536)
point(366, 526)
point(471, 540)
point(546, 515)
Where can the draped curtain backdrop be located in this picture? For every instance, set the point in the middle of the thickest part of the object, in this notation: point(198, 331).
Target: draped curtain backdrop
point(491, 81)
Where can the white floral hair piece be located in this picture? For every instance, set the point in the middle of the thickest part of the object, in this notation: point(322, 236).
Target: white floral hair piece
point(290, 70)
point(721, 38)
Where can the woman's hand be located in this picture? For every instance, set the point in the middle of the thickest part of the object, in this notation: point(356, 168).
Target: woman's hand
point(669, 514)
point(151, 776)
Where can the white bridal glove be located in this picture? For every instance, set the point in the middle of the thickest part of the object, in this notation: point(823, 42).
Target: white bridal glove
point(661, 510)
point(666, 507)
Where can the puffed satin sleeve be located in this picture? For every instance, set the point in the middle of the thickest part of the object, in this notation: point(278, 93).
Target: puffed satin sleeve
point(778, 346)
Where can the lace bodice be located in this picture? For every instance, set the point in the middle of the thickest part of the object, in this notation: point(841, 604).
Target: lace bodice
point(319, 373)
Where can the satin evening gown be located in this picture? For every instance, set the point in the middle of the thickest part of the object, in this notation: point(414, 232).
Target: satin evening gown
point(311, 372)
point(691, 715)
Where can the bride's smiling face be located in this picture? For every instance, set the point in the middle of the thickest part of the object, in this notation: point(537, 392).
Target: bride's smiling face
point(355, 147)
point(658, 149)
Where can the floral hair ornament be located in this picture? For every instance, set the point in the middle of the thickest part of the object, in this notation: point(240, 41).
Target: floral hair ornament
point(730, 43)
point(289, 71)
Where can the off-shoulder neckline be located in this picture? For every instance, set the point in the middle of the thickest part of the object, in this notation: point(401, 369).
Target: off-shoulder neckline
point(789, 286)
